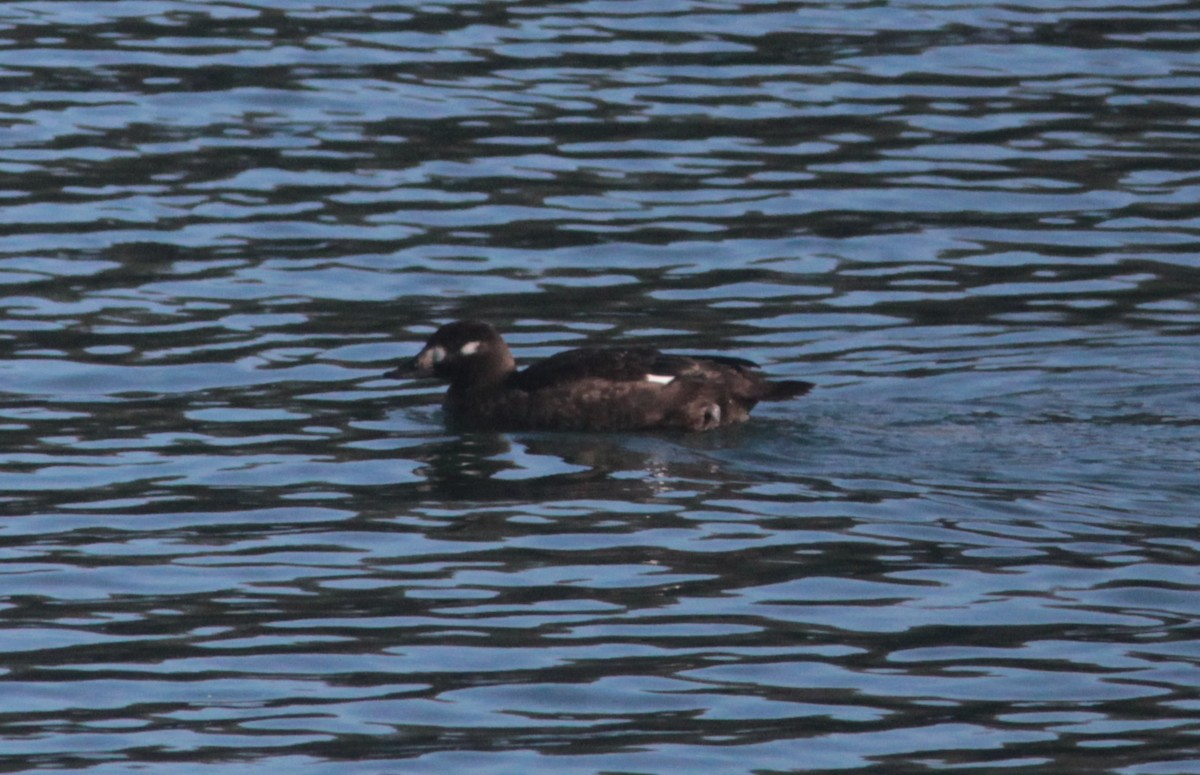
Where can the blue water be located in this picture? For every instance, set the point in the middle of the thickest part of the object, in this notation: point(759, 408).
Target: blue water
point(228, 545)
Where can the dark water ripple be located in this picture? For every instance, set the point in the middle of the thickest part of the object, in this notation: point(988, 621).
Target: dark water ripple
point(227, 544)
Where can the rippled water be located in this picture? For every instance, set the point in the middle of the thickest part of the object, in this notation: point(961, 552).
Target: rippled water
point(230, 546)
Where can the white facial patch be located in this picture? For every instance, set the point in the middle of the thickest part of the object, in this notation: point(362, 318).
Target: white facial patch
point(659, 379)
point(437, 355)
point(470, 348)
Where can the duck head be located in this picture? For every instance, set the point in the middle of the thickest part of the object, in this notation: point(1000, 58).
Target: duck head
point(464, 353)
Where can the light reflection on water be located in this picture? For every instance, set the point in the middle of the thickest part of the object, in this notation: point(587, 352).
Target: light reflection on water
point(228, 543)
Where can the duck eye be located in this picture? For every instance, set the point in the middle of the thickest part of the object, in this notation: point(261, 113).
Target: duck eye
point(470, 348)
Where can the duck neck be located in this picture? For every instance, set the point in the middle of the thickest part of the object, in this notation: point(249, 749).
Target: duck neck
point(485, 372)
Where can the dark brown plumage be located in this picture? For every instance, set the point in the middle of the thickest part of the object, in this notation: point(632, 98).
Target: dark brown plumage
point(589, 389)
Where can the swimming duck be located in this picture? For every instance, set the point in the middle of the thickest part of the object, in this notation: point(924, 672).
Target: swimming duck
point(589, 389)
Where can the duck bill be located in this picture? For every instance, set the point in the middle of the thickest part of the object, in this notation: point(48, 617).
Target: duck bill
point(420, 366)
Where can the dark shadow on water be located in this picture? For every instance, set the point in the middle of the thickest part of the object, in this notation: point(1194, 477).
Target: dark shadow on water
point(542, 466)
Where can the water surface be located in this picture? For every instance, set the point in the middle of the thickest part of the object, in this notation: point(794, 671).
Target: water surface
point(229, 545)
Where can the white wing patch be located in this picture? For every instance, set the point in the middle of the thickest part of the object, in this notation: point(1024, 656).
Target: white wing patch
point(659, 379)
point(470, 348)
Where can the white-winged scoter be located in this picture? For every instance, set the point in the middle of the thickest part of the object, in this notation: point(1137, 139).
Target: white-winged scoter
point(589, 389)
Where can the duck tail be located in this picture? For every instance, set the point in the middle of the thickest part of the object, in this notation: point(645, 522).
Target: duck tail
point(785, 389)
